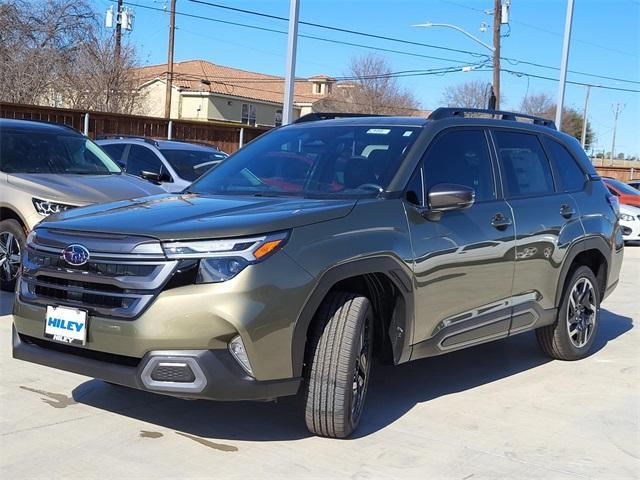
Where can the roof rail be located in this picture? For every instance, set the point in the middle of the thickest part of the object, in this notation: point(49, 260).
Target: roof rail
point(119, 136)
point(448, 112)
point(315, 116)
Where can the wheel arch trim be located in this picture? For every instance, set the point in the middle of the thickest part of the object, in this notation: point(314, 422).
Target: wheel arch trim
point(396, 271)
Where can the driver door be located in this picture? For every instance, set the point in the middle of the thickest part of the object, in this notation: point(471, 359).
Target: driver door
point(464, 262)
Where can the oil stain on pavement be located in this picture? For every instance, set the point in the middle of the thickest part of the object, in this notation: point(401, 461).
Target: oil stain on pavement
point(150, 434)
point(217, 446)
point(55, 400)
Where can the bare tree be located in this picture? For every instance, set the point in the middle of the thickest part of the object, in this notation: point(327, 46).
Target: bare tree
point(537, 104)
point(54, 52)
point(472, 94)
point(371, 88)
point(541, 104)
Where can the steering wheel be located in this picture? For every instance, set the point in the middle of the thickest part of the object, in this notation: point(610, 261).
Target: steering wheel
point(371, 186)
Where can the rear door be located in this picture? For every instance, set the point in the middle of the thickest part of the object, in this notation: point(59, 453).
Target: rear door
point(464, 261)
point(547, 222)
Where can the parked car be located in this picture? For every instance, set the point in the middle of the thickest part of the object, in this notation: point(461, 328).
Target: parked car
point(45, 169)
point(630, 223)
point(321, 244)
point(173, 165)
point(635, 184)
point(626, 194)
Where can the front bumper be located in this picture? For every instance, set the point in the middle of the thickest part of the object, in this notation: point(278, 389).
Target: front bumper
point(218, 376)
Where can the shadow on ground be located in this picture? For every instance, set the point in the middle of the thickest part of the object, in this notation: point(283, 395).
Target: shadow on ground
point(6, 303)
point(392, 392)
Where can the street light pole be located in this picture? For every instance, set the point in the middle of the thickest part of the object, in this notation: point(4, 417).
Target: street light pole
point(563, 66)
point(289, 81)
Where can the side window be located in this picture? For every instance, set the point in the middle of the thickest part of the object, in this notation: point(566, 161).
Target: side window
point(462, 157)
point(525, 167)
point(571, 175)
point(115, 151)
point(142, 159)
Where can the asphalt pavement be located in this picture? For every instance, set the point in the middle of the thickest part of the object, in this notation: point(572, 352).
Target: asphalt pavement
point(497, 411)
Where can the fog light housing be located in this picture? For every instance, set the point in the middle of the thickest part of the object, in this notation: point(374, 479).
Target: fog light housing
point(236, 347)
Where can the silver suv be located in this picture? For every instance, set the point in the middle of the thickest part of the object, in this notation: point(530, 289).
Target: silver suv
point(171, 164)
point(47, 168)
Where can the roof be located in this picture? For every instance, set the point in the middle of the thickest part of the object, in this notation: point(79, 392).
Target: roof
point(376, 120)
point(188, 76)
point(163, 144)
point(40, 126)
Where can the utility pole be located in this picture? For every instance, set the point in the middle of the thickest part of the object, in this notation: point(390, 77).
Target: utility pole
point(290, 77)
point(563, 65)
point(118, 34)
point(172, 30)
point(497, 23)
point(616, 111)
point(583, 138)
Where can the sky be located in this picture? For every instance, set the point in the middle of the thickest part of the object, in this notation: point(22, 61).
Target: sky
point(605, 41)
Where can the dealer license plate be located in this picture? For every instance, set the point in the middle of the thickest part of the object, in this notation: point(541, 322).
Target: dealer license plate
point(64, 324)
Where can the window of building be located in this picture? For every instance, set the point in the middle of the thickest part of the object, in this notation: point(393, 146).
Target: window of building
point(317, 88)
point(248, 113)
point(525, 167)
point(278, 119)
point(461, 157)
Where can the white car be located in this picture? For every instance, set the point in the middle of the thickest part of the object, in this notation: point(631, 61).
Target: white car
point(630, 222)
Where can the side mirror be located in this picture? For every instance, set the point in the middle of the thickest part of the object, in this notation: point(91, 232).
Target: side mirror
point(445, 197)
point(151, 176)
point(155, 177)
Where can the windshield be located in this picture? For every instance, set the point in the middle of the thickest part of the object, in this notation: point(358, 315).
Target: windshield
point(26, 152)
point(190, 164)
point(622, 187)
point(325, 161)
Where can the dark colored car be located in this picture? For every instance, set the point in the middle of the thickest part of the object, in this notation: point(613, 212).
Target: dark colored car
point(634, 183)
point(173, 165)
point(626, 193)
point(324, 243)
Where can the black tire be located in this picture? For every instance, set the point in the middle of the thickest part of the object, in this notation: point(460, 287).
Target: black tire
point(336, 365)
point(563, 339)
point(8, 271)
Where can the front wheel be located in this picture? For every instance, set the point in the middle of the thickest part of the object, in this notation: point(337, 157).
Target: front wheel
point(571, 336)
point(12, 240)
point(338, 364)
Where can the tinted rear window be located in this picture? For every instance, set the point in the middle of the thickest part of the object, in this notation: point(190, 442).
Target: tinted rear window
point(572, 177)
point(525, 167)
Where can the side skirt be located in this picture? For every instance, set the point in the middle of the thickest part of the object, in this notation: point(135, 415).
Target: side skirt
point(485, 328)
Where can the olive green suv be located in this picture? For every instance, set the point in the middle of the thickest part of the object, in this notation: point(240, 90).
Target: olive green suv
point(321, 246)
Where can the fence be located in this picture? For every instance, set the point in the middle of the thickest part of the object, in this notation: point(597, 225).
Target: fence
point(621, 173)
point(225, 135)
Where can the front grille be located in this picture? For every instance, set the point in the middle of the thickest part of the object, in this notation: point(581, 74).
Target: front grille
point(114, 283)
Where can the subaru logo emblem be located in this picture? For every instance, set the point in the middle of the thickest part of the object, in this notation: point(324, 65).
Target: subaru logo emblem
point(75, 255)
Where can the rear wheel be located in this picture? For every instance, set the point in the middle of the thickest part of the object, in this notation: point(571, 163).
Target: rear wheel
point(339, 363)
point(574, 331)
point(12, 240)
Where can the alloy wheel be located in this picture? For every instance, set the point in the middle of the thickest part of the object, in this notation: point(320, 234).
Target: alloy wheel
point(361, 374)
point(582, 312)
point(9, 257)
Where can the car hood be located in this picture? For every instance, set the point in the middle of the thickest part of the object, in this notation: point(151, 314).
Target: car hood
point(193, 216)
point(83, 189)
point(630, 210)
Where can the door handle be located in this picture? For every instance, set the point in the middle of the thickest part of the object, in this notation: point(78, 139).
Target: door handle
point(567, 211)
point(500, 221)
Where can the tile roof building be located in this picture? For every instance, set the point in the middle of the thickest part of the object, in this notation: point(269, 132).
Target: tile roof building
point(205, 91)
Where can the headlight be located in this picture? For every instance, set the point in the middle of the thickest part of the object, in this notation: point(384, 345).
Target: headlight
point(221, 260)
point(626, 218)
point(46, 208)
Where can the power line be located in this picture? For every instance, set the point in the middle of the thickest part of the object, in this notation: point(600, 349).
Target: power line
point(604, 87)
point(311, 37)
point(398, 40)
point(550, 32)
